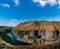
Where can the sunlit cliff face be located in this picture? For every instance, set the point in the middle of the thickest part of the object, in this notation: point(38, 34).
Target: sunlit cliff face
point(35, 32)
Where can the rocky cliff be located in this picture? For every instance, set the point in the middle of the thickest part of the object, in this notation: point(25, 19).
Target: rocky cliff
point(35, 29)
point(7, 45)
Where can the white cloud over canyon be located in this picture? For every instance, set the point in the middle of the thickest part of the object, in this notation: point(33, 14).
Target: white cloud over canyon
point(12, 22)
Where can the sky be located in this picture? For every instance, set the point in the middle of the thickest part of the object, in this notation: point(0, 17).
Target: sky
point(13, 12)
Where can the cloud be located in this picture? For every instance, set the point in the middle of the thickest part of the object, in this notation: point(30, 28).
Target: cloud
point(58, 3)
point(4, 5)
point(12, 22)
point(17, 2)
point(52, 2)
point(42, 3)
point(49, 2)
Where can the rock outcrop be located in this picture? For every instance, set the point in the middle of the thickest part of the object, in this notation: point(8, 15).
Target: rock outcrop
point(35, 32)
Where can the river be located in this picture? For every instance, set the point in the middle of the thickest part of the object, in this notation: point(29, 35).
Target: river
point(14, 41)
